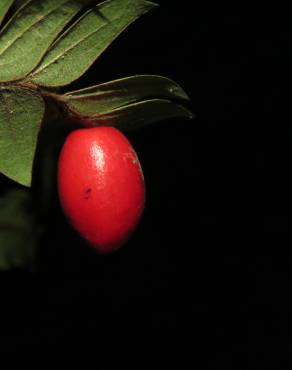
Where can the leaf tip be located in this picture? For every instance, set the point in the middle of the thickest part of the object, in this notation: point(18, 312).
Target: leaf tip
point(149, 5)
point(188, 114)
point(191, 115)
point(179, 93)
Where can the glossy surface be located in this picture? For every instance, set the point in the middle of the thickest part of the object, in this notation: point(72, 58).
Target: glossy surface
point(101, 186)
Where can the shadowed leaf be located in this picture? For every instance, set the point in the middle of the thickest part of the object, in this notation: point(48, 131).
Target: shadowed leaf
point(115, 94)
point(136, 115)
point(17, 230)
point(19, 3)
point(4, 7)
point(129, 102)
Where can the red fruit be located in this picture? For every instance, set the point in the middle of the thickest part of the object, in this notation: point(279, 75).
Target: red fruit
point(101, 186)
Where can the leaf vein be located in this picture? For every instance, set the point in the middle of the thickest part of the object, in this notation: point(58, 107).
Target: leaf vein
point(40, 18)
point(66, 51)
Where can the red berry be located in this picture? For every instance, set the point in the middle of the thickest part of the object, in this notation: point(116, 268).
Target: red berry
point(101, 186)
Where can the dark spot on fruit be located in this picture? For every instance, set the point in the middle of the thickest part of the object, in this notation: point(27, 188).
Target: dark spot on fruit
point(87, 193)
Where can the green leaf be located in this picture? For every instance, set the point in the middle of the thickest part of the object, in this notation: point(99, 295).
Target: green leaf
point(136, 115)
point(115, 94)
point(4, 7)
point(129, 102)
point(17, 230)
point(21, 114)
point(27, 36)
point(75, 51)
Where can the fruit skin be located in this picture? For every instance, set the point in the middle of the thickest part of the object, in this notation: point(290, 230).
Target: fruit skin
point(101, 186)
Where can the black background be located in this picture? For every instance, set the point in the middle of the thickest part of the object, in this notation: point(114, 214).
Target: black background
point(205, 282)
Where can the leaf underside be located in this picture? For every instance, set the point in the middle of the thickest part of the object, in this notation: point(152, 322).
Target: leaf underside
point(28, 34)
point(75, 51)
point(21, 114)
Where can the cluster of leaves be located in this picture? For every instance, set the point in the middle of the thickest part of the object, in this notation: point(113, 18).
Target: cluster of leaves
point(46, 45)
point(39, 54)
